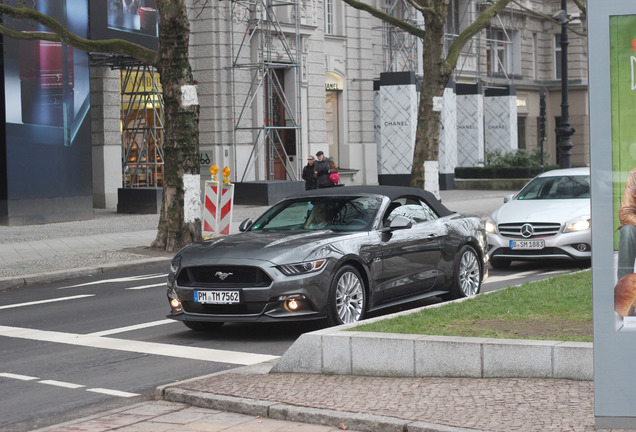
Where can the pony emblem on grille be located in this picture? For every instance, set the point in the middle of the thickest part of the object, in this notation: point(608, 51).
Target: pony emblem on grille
point(222, 275)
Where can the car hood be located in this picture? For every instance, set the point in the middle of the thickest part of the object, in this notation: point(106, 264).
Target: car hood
point(542, 210)
point(276, 247)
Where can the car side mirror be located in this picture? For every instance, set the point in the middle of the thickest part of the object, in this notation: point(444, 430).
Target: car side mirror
point(245, 225)
point(508, 198)
point(400, 222)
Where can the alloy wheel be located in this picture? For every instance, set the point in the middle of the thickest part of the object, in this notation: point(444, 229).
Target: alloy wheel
point(349, 298)
point(469, 274)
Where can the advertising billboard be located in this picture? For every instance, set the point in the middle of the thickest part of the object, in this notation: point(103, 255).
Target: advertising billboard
point(47, 101)
point(612, 90)
point(132, 20)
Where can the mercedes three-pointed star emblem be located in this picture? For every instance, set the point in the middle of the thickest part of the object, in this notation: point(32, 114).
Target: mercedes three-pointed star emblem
point(527, 230)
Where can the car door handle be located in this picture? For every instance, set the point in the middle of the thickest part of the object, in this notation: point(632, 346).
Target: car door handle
point(431, 236)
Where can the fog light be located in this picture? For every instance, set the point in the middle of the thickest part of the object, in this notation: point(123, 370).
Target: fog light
point(582, 247)
point(292, 305)
point(175, 303)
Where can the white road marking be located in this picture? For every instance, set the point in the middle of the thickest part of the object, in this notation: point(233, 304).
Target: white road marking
point(131, 328)
point(18, 377)
point(46, 301)
point(112, 392)
point(520, 275)
point(168, 350)
point(61, 384)
point(163, 284)
point(117, 280)
point(69, 385)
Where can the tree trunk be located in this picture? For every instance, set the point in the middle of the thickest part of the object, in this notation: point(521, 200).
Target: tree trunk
point(435, 77)
point(181, 125)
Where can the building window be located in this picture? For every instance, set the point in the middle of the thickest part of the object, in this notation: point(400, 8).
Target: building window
point(334, 13)
point(557, 121)
point(329, 16)
point(521, 132)
point(503, 53)
point(557, 56)
point(535, 60)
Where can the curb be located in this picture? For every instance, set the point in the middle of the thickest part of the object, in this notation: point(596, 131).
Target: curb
point(281, 411)
point(343, 351)
point(60, 275)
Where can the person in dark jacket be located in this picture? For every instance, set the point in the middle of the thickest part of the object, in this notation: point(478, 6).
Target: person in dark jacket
point(308, 174)
point(322, 168)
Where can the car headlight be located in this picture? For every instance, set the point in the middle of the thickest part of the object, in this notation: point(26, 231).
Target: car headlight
point(576, 225)
point(175, 264)
point(491, 226)
point(303, 267)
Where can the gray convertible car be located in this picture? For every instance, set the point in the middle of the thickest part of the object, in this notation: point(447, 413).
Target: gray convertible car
point(330, 254)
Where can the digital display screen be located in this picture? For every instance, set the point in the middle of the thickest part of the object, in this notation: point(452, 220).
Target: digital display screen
point(132, 20)
point(47, 101)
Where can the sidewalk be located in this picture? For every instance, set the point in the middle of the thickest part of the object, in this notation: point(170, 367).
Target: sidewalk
point(250, 398)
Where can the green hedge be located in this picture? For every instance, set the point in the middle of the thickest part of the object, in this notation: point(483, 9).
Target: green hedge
point(498, 172)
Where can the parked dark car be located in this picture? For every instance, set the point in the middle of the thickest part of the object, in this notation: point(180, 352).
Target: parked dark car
point(332, 255)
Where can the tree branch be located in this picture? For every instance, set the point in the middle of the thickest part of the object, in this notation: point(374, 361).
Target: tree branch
point(424, 10)
point(581, 6)
point(548, 17)
point(481, 22)
point(390, 19)
point(61, 34)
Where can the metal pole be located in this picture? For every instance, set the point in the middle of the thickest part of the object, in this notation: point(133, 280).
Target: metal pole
point(564, 130)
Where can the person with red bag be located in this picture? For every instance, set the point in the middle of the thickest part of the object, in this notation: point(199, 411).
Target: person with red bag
point(325, 171)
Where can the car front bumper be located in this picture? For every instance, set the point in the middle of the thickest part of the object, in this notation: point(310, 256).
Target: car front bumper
point(257, 303)
point(572, 246)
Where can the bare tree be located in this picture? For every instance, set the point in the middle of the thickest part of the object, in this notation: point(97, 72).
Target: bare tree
point(181, 126)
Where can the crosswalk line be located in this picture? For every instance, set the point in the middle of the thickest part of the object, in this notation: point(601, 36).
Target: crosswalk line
point(132, 327)
point(38, 302)
point(153, 348)
point(108, 392)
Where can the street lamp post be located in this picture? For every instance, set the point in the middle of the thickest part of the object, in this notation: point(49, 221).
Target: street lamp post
point(564, 130)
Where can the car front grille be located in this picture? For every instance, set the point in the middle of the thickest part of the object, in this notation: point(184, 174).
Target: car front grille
point(529, 252)
point(228, 309)
point(539, 229)
point(223, 277)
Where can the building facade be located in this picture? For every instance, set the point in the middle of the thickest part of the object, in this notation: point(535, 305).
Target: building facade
point(280, 79)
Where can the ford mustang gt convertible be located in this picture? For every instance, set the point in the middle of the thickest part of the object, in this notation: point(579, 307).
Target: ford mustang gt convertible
point(331, 255)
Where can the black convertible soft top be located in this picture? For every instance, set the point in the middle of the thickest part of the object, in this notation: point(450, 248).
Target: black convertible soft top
point(392, 192)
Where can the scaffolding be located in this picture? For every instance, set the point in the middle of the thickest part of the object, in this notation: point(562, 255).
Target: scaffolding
point(400, 48)
point(269, 51)
point(402, 52)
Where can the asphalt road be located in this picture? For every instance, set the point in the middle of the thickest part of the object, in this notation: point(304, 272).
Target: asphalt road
point(83, 346)
point(75, 346)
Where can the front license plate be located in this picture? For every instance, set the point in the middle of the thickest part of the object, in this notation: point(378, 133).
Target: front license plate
point(527, 244)
point(217, 297)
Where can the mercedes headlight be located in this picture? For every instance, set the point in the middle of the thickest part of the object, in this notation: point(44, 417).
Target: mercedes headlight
point(491, 226)
point(579, 224)
point(302, 267)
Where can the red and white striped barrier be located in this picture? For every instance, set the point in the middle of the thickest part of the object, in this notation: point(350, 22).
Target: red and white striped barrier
point(210, 209)
point(224, 210)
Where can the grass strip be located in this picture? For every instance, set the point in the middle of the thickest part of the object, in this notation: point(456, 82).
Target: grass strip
point(558, 308)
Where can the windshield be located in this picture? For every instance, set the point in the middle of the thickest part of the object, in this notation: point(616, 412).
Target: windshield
point(566, 187)
point(319, 213)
